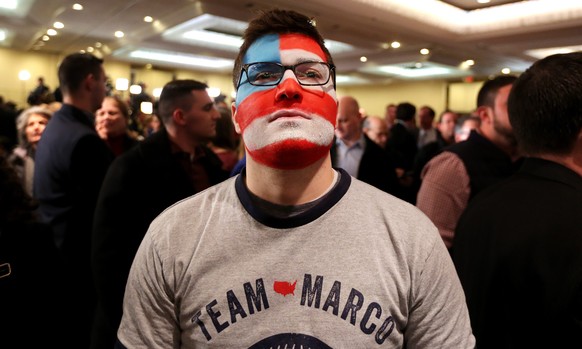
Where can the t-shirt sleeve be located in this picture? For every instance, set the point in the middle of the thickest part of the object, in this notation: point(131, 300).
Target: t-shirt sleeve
point(444, 193)
point(149, 320)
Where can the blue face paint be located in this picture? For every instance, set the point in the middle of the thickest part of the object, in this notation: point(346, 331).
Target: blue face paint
point(264, 49)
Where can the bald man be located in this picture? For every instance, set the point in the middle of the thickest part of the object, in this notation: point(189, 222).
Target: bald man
point(358, 154)
point(376, 129)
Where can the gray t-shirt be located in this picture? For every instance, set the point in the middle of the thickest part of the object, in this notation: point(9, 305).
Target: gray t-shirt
point(360, 269)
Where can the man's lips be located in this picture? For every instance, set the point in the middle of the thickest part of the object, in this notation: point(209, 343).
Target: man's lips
point(288, 114)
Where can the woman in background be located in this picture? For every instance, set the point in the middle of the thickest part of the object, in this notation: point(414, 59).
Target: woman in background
point(111, 122)
point(30, 125)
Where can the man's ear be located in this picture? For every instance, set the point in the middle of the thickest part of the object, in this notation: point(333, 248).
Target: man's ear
point(234, 117)
point(485, 115)
point(178, 117)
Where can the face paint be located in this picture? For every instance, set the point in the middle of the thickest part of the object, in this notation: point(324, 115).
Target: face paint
point(287, 126)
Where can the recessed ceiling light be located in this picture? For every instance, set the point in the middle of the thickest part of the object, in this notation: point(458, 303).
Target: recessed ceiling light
point(51, 32)
point(148, 19)
point(77, 7)
point(9, 4)
point(90, 49)
point(483, 1)
point(470, 62)
point(395, 44)
point(45, 38)
point(98, 44)
point(363, 59)
point(424, 51)
point(418, 65)
point(119, 34)
point(58, 25)
point(2, 35)
point(506, 70)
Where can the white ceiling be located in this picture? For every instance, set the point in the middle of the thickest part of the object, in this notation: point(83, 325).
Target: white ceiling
point(501, 34)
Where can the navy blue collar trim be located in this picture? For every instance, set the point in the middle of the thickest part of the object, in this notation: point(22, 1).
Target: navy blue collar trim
point(309, 216)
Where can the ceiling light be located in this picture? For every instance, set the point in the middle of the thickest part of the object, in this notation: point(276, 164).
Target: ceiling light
point(506, 70)
point(23, 75)
point(385, 45)
point(51, 32)
point(77, 7)
point(90, 49)
point(186, 59)
point(483, 1)
point(212, 37)
point(470, 62)
point(418, 65)
point(135, 89)
point(119, 34)
point(121, 84)
point(58, 25)
point(149, 66)
point(395, 44)
point(9, 4)
point(148, 19)
point(363, 59)
point(98, 44)
point(545, 52)
point(424, 51)
point(157, 92)
point(213, 92)
point(146, 107)
point(2, 35)
point(45, 38)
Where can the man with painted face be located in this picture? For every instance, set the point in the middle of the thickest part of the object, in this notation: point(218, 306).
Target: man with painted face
point(291, 251)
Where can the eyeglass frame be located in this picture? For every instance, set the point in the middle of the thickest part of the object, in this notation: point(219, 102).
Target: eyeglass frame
point(330, 66)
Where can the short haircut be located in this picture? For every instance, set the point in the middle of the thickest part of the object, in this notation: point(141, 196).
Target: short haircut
point(431, 111)
point(177, 94)
point(75, 68)
point(405, 111)
point(488, 92)
point(22, 121)
point(277, 22)
point(545, 105)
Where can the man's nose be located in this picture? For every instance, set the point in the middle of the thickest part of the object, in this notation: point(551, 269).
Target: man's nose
point(289, 88)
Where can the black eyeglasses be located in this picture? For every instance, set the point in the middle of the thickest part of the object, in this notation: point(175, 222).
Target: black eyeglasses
point(271, 73)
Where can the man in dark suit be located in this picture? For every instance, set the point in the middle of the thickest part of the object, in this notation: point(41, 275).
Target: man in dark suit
point(70, 164)
point(359, 155)
point(168, 166)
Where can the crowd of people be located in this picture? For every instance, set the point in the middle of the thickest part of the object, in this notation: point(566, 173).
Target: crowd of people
point(131, 230)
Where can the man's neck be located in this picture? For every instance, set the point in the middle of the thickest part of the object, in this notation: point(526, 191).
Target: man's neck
point(571, 160)
point(78, 103)
point(181, 141)
point(289, 187)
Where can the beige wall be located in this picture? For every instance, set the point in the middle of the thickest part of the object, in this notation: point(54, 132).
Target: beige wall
point(438, 94)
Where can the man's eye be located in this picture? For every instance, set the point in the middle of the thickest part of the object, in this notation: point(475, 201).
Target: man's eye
point(264, 76)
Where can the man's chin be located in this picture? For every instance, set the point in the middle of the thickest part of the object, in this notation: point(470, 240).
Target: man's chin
point(290, 154)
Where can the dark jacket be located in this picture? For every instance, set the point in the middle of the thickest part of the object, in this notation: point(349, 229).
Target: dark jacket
point(518, 255)
point(376, 167)
point(140, 184)
point(70, 164)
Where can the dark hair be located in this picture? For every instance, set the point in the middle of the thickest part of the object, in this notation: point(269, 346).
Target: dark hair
point(431, 111)
point(488, 92)
point(545, 105)
point(277, 22)
point(177, 94)
point(405, 111)
point(121, 105)
point(225, 134)
point(75, 68)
